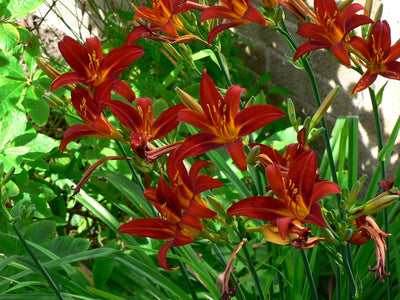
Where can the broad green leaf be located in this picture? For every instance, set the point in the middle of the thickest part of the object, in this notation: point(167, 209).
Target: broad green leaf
point(11, 68)
point(32, 50)
point(11, 125)
point(102, 269)
point(21, 8)
point(3, 9)
point(12, 189)
point(36, 107)
point(10, 162)
point(40, 231)
point(67, 245)
point(24, 35)
point(9, 37)
point(10, 93)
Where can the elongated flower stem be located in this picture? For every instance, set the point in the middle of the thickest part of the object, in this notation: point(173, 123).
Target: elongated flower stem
point(254, 273)
point(38, 263)
point(223, 67)
point(314, 294)
point(383, 175)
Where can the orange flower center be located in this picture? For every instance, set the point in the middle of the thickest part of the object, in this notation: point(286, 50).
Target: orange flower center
point(334, 32)
point(223, 126)
point(377, 63)
point(296, 202)
point(95, 73)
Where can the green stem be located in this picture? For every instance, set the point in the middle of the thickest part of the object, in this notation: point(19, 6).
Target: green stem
point(37, 262)
point(314, 294)
point(186, 276)
point(223, 67)
point(383, 175)
point(338, 284)
point(253, 272)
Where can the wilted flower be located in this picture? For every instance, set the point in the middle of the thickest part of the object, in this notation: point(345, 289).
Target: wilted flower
point(367, 229)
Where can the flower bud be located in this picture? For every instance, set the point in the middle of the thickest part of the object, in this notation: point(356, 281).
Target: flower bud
point(347, 234)
point(217, 205)
point(51, 72)
point(356, 190)
point(378, 14)
point(252, 156)
point(374, 205)
point(329, 236)
point(53, 101)
point(319, 114)
point(368, 6)
point(188, 100)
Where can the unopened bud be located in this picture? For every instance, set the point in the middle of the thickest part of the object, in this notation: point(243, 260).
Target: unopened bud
point(316, 133)
point(171, 50)
point(217, 205)
point(47, 69)
point(368, 7)
point(374, 205)
point(347, 234)
point(342, 5)
point(252, 156)
point(329, 236)
point(250, 102)
point(53, 101)
point(356, 190)
point(378, 14)
point(319, 114)
point(188, 100)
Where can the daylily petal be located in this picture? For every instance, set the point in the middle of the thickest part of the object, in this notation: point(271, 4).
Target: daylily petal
point(324, 188)
point(154, 228)
point(365, 81)
point(195, 119)
point(259, 207)
point(341, 54)
point(167, 121)
point(64, 79)
point(118, 59)
point(218, 12)
point(197, 144)
point(75, 54)
point(255, 117)
point(253, 15)
point(236, 152)
point(93, 45)
point(213, 33)
point(315, 216)
point(307, 47)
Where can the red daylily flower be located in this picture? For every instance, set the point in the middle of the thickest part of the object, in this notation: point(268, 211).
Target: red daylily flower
point(92, 68)
point(239, 11)
point(180, 209)
point(222, 123)
point(142, 124)
point(367, 229)
point(297, 195)
point(379, 54)
point(332, 29)
point(96, 124)
point(164, 14)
